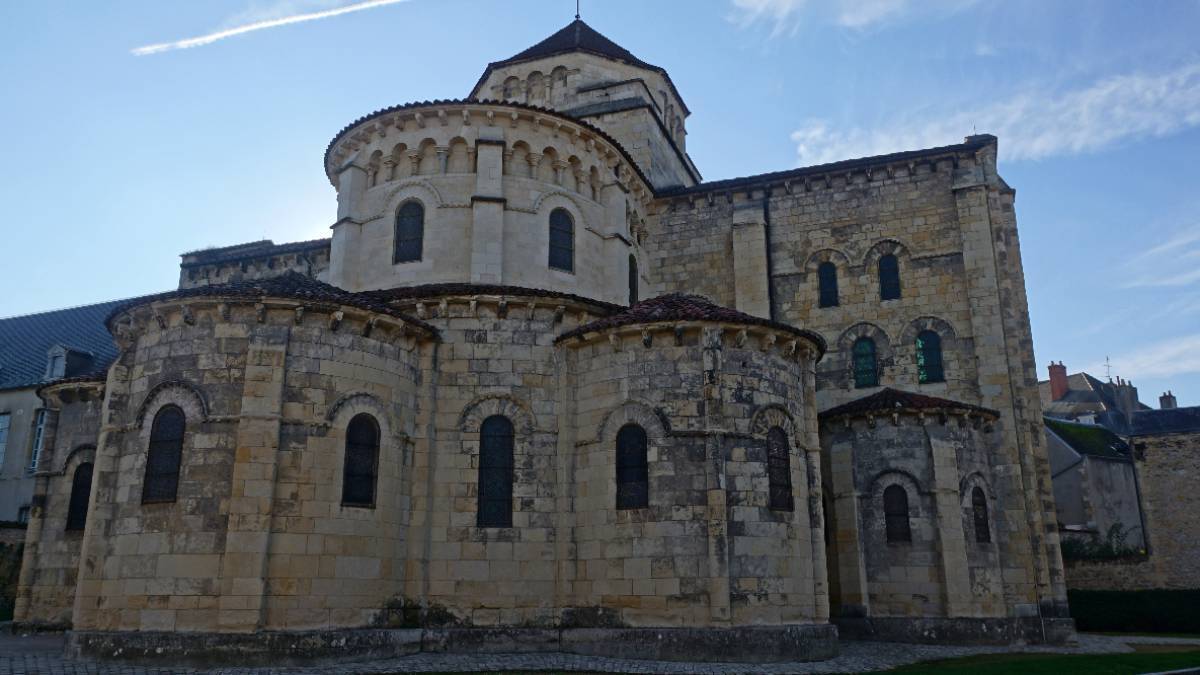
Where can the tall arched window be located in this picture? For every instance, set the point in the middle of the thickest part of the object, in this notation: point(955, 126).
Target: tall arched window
point(895, 513)
point(633, 479)
point(495, 473)
point(889, 278)
point(779, 470)
point(410, 232)
point(165, 456)
point(929, 357)
point(81, 491)
point(979, 510)
point(633, 279)
point(828, 285)
point(562, 240)
point(866, 371)
point(361, 464)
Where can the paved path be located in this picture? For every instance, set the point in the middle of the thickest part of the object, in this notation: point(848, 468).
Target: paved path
point(42, 654)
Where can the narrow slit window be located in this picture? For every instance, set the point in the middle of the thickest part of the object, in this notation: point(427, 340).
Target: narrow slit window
point(895, 513)
point(866, 370)
point(165, 456)
point(410, 232)
point(889, 278)
point(827, 280)
point(81, 492)
point(633, 280)
point(779, 470)
point(633, 476)
point(361, 464)
point(929, 357)
point(979, 511)
point(562, 240)
point(495, 473)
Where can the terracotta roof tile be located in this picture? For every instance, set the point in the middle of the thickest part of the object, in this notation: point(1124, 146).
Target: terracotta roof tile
point(889, 400)
point(684, 307)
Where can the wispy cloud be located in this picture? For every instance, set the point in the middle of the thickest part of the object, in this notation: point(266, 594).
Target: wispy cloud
point(1032, 124)
point(259, 24)
point(786, 16)
point(1169, 358)
point(1174, 262)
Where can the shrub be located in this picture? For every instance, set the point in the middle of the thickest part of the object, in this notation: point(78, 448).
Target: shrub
point(1158, 611)
point(10, 569)
point(1112, 547)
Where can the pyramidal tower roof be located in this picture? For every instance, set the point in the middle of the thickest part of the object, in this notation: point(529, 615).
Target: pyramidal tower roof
point(578, 36)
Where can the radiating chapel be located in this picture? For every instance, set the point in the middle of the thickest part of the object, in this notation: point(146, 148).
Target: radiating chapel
point(546, 388)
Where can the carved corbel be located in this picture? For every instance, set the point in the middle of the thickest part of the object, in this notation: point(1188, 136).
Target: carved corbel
point(559, 311)
point(502, 308)
point(679, 336)
point(647, 338)
point(768, 342)
point(190, 320)
point(491, 118)
point(420, 120)
point(789, 349)
point(532, 306)
point(614, 341)
point(444, 308)
point(299, 311)
point(442, 119)
point(369, 326)
point(473, 308)
point(421, 313)
point(223, 310)
point(335, 320)
point(740, 339)
point(466, 115)
point(514, 117)
point(260, 312)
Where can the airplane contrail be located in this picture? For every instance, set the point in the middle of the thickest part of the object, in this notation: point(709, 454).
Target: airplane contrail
point(258, 25)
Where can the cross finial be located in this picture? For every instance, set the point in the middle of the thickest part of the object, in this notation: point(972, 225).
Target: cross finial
point(1108, 368)
point(577, 10)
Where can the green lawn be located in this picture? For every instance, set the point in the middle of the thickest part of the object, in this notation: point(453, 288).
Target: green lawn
point(1057, 664)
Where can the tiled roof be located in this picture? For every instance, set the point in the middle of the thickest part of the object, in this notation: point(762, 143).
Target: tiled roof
point(1085, 394)
point(683, 307)
point(577, 36)
point(970, 145)
point(1089, 439)
point(25, 341)
point(510, 104)
point(440, 290)
point(1170, 421)
point(889, 400)
point(255, 249)
point(288, 285)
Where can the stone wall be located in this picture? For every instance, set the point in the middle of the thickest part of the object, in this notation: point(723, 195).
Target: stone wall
point(51, 564)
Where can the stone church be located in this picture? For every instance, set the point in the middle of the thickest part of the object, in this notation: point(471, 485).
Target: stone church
point(545, 388)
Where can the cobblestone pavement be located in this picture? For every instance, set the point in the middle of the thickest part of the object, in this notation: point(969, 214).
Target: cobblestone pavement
point(42, 654)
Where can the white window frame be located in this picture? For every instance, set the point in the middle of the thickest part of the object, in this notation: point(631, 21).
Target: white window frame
point(5, 422)
point(39, 441)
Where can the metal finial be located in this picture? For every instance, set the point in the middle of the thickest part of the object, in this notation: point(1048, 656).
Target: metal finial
point(576, 10)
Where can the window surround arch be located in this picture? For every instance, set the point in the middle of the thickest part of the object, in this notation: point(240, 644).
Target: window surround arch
point(952, 367)
point(82, 454)
point(875, 517)
point(181, 393)
point(406, 205)
point(470, 427)
point(812, 268)
point(393, 455)
point(147, 449)
point(879, 249)
point(967, 486)
point(884, 357)
point(776, 416)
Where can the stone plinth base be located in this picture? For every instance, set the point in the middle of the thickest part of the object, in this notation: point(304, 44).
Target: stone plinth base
point(749, 644)
point(967, 631)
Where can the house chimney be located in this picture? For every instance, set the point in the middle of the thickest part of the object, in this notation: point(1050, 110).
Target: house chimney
point(1167, 401)
point(1127, 398)
point(1058, 381)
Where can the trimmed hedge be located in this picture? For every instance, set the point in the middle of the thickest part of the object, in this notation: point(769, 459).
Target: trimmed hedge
point(1136, 611)
point(10, 569)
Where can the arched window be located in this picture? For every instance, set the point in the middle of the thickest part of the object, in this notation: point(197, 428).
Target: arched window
point(779, 470)
point(410, 232)
point(929, 357)
point(866, 371)
point(562, 240)
point(361, 464)
point(81, 491)
point(979, 510)
point(495, 473)
point(895, 513)
point(827, 281)
point(633, 480)
point(889, 278)
point(165, 456)
point(633, 279)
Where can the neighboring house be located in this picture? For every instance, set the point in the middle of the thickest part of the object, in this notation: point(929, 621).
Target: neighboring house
point(36, 349)
point(1115, 460)
point(1094, 483)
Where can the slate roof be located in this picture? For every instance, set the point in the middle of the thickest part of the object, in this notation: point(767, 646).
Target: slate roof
point(684, 307)
point(889, 400)
point(972, 144)
point(578, 36)
point(254, 249)
point(288, 285)
point(1085, 394)
point(25, 341)
point(1089, 439)
point(1170, 421)
point(439, 290)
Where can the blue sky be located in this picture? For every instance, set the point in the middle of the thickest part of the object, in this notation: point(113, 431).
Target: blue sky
point(118, 162)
